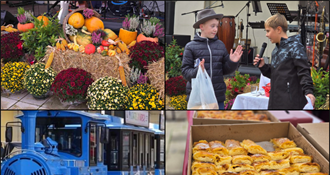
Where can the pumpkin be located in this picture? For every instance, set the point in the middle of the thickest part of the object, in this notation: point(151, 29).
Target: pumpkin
point(77, 20)
point(45, 19)
point(89, 49)
point(94, 24)
point(127, 36)
point(82, 39)
point(25, 27)
point(110, 34)
point(141, 37)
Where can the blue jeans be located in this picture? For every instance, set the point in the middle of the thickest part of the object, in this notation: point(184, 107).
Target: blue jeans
point(221, 105)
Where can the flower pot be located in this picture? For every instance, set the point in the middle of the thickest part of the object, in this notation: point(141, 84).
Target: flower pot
point(75, 103)
point(25, 27)
point(41, 97)
point(8, 92)
point(127, 36)
point(141, 37)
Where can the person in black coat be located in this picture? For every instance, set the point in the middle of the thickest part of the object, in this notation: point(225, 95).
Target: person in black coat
point(207, 49)
point(289, 72)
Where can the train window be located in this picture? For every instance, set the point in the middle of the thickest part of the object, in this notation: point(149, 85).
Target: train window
point(92, 144)
point(65, 131)
point(126, 147)
point(155, 152)
point(147, 148)
point(135, 149)
point(162, 147)
point(114, 144)
point(152, 145)
point(100, 147)
point(141, 162)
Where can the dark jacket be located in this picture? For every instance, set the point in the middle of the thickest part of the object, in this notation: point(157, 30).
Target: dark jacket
point(289, 74)
point(217, 63)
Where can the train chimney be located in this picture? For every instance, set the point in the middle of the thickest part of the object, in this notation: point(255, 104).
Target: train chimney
point(29, 123)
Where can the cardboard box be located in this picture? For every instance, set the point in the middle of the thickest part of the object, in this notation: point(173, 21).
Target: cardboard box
point(318, 135)
point(206, 121)
point(294, 117)
point(257, 132)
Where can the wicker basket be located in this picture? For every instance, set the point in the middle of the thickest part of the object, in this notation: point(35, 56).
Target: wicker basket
point(68, 16)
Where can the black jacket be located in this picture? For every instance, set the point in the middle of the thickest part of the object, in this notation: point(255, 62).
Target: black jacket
point(289, 74)
point(217, 63)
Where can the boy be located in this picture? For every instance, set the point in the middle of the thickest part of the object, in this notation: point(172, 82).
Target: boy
point(289, 71)
point(212, 54)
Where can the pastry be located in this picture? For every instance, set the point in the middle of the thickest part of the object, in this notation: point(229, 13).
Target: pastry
point(201, 145)
point(239, 168)
point(218, 160)
point(204, 171)
point(222, 168)
point(307, 167)
point(295, 150)
point(302, 158)
point(313, 173)
point(278, 155)
point(252, 147)
point(217, 147)
point(289, 171)
point(249, 172)
point(235, 148)
point(203, 156)
point(197, 164)
point(283, 143)
point(260, 158)
point(242, 159)
point(270, 172)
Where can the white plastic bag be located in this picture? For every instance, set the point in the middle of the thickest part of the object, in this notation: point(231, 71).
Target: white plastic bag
point(309, 105)
point(202, 95)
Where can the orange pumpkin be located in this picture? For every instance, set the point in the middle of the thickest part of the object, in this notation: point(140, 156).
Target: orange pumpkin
point(127, 36)
point(77, 20)
point(25, 27)
point(45, 19)
point(141, 37)
point(93, 24)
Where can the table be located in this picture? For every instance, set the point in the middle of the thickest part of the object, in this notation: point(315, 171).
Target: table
point(251, 102)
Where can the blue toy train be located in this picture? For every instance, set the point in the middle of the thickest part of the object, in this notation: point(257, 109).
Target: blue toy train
point(81, 143)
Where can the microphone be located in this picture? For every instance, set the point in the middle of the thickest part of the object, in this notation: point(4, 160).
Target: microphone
point(261, 53)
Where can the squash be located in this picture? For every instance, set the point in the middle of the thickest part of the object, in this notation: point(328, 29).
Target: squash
point(94, 24)
point(45, 19)
point(111, 52)
point(77, 20)
point(89, 49)
point(81, 48)
point(127, 36)
point(25, 27)
point(123, 47)
point(75, 46)
point(132, 44)
point(110, 34)
point(65, 43)
point(82, 39)
point(141, 37)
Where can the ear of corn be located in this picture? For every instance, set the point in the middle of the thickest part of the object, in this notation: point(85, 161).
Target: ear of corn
point(50, 60)
point(122, 75)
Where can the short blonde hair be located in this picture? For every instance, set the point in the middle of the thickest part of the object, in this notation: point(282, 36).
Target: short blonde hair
point(277, 20)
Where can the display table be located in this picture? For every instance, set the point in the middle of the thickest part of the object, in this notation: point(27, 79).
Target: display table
point(251, 102)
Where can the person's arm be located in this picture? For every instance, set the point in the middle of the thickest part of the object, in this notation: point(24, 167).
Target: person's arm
point(303, 69)
point(228, 65)
point(187, 69)
point(266, 70)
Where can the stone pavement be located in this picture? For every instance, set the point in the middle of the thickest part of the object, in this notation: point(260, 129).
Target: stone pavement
point(176, 135)
point(24, 100)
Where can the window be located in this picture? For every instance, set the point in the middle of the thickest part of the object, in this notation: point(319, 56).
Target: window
point(135, 150)
point(147, 148)
point(100, 145)
point(126, 146)
point(141, 163)
point(114, 144)
point(92, 144)
point(162, 147)
point(66, 131)
point(153, 157)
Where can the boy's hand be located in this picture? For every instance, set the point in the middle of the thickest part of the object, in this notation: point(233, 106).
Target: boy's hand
point(256, 59)
point(202, 64)
point(311, 96)
point(237, 54)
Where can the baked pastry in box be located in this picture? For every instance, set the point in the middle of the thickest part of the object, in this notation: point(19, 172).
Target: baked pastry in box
point(222, 168)
point(283, 143)
point(278, 155)
point(235, 148)
point(203, 156)
point(249, 172)
point(201, 145)
point(270, 172)
point(252, 147)
point(219, 160)
point(302, 158)
point(291, 151)
point(313, 173)
point(307, 167)
point(204, 171)
point(239, 168)
point(260, 158)
point(197, 164)
point(218, 147)
point(289, 171)
point(242, 159)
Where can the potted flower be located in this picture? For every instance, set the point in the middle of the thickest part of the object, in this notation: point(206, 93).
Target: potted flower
point(128, 33)
point(237, 84)
point(175, 86)
point(11, 47)
point(38, 80)
point(12, 76)
point(143, 53)
point(144, 97)
point(173, 61)
point(151, 30)
point(179, 102)
point(24, 20)
point(107, 93)
point(71, 85)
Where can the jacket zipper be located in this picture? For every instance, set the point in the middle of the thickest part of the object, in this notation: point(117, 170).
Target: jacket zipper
point(288, 84)
point(210, 56)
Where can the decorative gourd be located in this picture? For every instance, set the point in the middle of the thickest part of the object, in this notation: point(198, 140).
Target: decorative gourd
point(65, 43)
point(110, 34)
point(127, 36)
point(82, 39)
point(111, 52)
point(132, 44)
point(123, 47)
point(118, 50)
point(45, 19)
point(90, 49)
point(93, 24)
point(77, 20)
point(75, 46)
point(81, 48)
point(25, 27)
point(141, 37)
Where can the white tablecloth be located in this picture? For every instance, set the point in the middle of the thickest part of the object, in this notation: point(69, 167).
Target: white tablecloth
point(250, 102)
